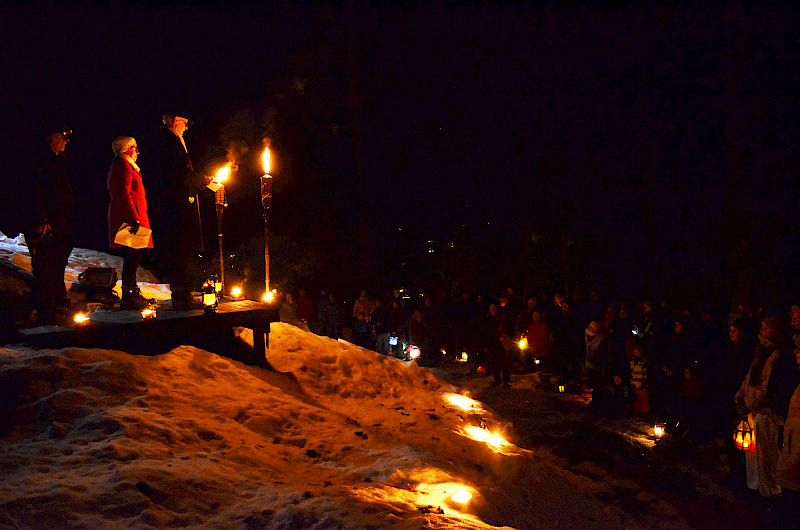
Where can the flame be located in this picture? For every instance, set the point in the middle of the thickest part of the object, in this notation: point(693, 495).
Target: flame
point(236, 292)
point(269, 296)
point(81, 318)
point(463, 402)
point(148, 313)
point(265, 160)
point(523, 343)
point(461, 496)
point(658, 430)
point(222, 174)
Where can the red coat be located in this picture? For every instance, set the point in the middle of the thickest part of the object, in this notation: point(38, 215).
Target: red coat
point(128, 201)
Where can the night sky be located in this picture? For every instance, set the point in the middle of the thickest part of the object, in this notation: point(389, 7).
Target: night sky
point(635, 148)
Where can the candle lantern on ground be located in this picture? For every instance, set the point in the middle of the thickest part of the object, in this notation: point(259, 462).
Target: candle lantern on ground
point(266, 202)
point(743, 436)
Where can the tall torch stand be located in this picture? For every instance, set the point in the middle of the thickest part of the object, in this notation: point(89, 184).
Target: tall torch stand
point(221, 203)
point(266, 202)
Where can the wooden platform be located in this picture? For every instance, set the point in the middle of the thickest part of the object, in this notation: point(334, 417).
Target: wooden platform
point(128, 331)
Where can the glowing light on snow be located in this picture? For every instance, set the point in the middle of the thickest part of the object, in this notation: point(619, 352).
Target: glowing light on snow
point(482, 435)
point(461, 497)
point(463, 402)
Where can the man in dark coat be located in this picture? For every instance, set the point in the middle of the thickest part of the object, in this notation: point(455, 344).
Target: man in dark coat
point(178, 212)
point(48, 229)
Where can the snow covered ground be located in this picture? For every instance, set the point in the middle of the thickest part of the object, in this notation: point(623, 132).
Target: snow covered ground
point(336, 437)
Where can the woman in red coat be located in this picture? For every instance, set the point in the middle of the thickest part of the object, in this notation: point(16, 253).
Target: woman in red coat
point(128, 205)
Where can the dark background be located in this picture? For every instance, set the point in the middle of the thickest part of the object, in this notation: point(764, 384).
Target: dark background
point(643, 150)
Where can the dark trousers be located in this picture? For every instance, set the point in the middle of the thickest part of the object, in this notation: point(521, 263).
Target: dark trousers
point(49, 258)
point(132, 258)
point(501, 367)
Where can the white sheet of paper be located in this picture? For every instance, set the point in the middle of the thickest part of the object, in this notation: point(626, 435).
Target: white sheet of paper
point(138, 240)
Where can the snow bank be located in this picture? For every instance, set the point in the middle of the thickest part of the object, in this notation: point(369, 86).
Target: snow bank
point(337, 436)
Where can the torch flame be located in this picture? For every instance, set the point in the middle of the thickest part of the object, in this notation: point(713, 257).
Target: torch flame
point(222, 174)
point(265, 160)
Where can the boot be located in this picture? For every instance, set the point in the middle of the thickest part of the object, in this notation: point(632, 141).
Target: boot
point(133, 299)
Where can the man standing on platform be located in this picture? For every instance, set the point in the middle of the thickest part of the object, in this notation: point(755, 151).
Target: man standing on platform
point(48, 229)
point(178, 213)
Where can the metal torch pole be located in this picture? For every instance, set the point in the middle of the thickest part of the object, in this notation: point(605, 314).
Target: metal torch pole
point(220, 203)
point(266, 202)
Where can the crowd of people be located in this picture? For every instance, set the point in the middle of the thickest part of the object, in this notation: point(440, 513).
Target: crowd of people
point(702, 373)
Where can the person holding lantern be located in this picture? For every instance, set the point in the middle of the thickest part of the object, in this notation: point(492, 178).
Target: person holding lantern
point(178, 214)
point(128, 205)
point(762, 459)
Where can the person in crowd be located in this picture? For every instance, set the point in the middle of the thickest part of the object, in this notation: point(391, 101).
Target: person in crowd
point(525, 317)
point(692, 411)
point(540, 340)
point(639, 381)
point(432, 320)
point(789, 459)
point(619, 334)
point(48, 227)
point(328, 315)
point(752, 396)
point(618, 396)
point(669, 367)
point(127, 205)
point(305, 308)
point(178, 212)
point(726, 378)
point(596, 361)
point(490, 332)
point(380, 327)
point(363, 305)
point(395, 320)
point(288, 313)
point(569, 348)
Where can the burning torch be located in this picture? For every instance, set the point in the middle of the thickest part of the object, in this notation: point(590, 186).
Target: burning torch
point(220, 199)
point(266, 202)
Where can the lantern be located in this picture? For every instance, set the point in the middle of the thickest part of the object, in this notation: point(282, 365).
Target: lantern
point(236, 292)
point(562, 388)
point(149, 312)
point(81, 319)
point(743, 436)
point(658, 429)
point(210, 300)
point(523, 342)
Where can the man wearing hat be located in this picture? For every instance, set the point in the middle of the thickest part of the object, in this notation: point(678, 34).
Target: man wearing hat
point(48, 229)
point(178, 213)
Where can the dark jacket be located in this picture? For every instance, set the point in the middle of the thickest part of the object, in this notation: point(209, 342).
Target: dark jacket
point(51, 193)
point(177, 210)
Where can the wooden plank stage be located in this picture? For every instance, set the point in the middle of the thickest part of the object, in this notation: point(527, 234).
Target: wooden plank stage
point(128, 331)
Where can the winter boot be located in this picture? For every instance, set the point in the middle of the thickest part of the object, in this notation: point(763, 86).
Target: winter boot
point(133, 299)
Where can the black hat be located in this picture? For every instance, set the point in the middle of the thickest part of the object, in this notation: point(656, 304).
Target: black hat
point(48, 127)
point(180, 114)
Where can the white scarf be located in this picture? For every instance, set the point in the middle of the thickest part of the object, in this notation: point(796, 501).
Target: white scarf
point(129, 160)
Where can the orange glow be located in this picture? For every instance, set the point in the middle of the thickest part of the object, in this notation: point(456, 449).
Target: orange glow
point(236, 292)
point(463, 402)
point(222, 174)
point(148, 313)
point(265, 160)
point(81, 318)
point(269, 296)
point(461, 496)
point(658, 430)
point(523, 343)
